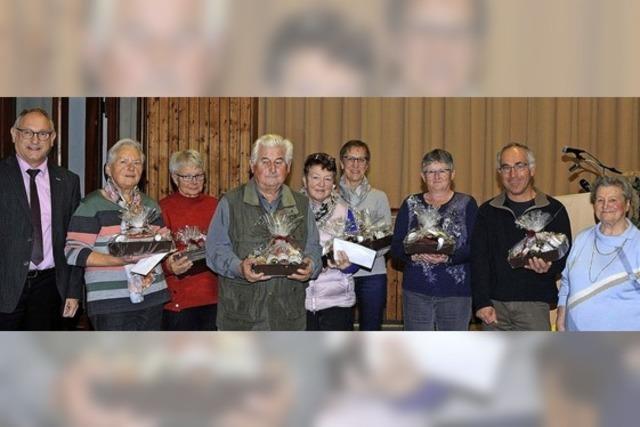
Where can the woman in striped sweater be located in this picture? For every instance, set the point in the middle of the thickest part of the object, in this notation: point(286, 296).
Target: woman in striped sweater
point(96, 221)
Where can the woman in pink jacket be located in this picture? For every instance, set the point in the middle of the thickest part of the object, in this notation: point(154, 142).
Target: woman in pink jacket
point(331, 297)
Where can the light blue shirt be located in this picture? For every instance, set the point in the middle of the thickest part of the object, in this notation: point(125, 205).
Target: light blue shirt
point(614, 308)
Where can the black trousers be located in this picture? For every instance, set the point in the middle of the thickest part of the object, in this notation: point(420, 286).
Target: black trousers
point(201, 318)
point(144, 319)
point(330, 319)
point(39, 307)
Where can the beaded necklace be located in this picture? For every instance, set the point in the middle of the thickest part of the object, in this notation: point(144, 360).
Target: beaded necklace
point(595, 249)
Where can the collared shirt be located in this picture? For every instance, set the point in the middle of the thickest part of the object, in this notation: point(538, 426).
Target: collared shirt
point(270, 207)
point(44, 196)
point(226, 262)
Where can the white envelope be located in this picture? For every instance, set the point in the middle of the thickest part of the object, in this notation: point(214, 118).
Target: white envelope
point(145, 265)
point(357, 254)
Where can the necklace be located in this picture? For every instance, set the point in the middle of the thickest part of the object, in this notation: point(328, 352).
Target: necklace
point(595, 249)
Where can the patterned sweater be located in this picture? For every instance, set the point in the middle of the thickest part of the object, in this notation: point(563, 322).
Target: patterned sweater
point(450, 279)
point(92, 226)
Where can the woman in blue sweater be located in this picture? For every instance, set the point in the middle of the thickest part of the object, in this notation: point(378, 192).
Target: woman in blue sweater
point(437, 288)
point(600, 287)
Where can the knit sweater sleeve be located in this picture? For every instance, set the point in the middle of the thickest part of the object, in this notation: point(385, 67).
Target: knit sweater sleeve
point(399, 233)
point(565, 284)
point(560, 224)
point(383, 210)
point(82, 234)
point(462, 254)
point(563, 293)
point(481, 262)
point(220, 255)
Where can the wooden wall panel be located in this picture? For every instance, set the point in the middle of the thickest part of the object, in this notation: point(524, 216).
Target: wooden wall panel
point(222, 129)
point(224, 145)
point(156, 151)
point(234, 143)
point(214, 146)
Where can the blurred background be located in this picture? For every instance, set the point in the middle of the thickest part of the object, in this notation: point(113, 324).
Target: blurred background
point(319, 47)
point(330, 379)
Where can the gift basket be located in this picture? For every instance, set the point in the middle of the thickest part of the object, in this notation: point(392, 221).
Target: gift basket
point(336, 228)
point(537, 243)
point(429, 236)
point(363, 229)
point(281, 256)
point(190, 241)
point(137, 237)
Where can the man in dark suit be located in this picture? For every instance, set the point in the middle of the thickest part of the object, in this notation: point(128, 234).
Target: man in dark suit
point(37, 199)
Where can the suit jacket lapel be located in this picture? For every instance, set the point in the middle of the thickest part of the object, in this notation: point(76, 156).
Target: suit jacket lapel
point(56, 183)
point(17, 184)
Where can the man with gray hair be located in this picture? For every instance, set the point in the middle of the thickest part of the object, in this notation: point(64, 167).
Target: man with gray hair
point(254, 301)
point(505, 298)
point(37, 199)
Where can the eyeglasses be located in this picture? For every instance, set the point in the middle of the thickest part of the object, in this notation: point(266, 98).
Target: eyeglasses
point(438, 172)
point(351, 159)
point(518, 167)
point(43, 135)
point(192, 178)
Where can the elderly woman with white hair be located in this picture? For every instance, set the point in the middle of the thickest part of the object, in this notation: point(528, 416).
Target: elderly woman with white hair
point(600, 288)
point(187, 213)
point(250, 300)
point(95, 222)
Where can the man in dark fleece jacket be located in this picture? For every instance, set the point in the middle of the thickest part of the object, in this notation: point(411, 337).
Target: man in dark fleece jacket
point(506, 298)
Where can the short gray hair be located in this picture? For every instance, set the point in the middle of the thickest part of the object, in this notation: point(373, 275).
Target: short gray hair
point(38, 110)
point(126, 142)
point(181, 159)
point(531, 159)
point(622, 183)
point(272, 140)
point(438, 155)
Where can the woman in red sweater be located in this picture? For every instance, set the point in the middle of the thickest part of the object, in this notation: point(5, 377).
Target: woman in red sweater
point(187, 213)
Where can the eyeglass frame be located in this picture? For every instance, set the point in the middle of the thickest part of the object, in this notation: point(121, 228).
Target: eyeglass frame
point(25, 131)
point(437, 172)
point(353, 159)
point(518, 167)
point(192, 178)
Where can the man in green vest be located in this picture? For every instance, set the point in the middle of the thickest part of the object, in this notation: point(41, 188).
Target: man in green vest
point(249, 300)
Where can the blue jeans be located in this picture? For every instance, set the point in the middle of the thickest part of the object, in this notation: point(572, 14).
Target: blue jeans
point(427, 313)
point(371, 297)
